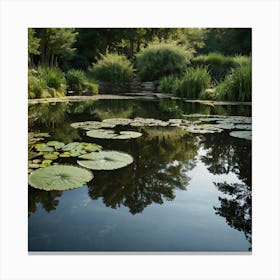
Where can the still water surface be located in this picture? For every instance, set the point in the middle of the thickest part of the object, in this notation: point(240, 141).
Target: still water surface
point(182, 192)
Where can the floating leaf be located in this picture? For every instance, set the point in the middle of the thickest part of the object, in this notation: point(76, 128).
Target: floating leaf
point(202, 129)
point(118, 121)
point(105, 160)
point(70, 146)
point(59, 177)
point(46, 162)
point(56, 144)
point(244, 126)
point(225, 125)
point(42, 147)
point(110, 134)
point(65, 154)
point(33, 165)
point(89, 125)
point(52, 156)
point(244, 134)
point(101, 133)
point(128, 135)
point(36, 160)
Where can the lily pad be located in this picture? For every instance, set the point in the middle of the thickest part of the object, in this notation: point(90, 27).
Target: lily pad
point(46, 162)
point(59, 177)
point(51, 156)
point(56, 144)
point(33, 165)
point(42, 147)
point(110, 134)
point(65, 154)
point(244, 126)
point(225, 125)
point(70, 146)
point(128, 135)
point(202, 129)
point(118, 121)
point(89, 125)
point(101, 133)
point(105, 160)
point(244, 134)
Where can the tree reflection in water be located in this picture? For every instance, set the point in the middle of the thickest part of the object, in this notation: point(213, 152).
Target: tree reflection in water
point(224, 155)
point(48, 199)
point(160, 166)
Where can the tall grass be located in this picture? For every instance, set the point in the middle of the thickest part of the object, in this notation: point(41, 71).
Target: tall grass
point(193, 84)
point(168, 84)
point(219, 65)
point(237, 86)
point(159, 60)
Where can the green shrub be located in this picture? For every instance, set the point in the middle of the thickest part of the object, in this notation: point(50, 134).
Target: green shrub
point(75, 80)
point(90, 87)
point(237, 86)
point(218, 65)
point(46, 82)
point(159, 60)
point(36, 86)
point(114, 69)
point(168, 84)
point(193, 83)
point(241, 60)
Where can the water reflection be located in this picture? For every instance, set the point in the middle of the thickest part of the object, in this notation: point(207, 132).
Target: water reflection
point(48, 200)
point(161, 163)
point(237, 210)
point(224, 155)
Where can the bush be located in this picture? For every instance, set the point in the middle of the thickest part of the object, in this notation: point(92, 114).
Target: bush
point(159, 60)
point(114, 69)
point(193, 83)
point(219, 65)
point(45, 83)
point(75, 80)
point(168, 84)
point(36, 86)
point(237, 86)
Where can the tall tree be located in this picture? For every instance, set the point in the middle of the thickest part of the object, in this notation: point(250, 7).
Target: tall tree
point(56, 44)
point(33, 45)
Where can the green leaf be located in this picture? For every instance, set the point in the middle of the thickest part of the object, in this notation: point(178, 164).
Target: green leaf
point(59, 177)
point(242, 134)
point(105, 160)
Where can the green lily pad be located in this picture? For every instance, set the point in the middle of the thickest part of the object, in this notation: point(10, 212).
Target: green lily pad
point(43, 147)
point(56, 144)
point(65, 154)
point(118, 121)
point(105, 160)
point(52, 156)
point(225, 125)
point(36, 160)
point(33, 165)
point(244, 126)
point(70, 146)
point(244, 134)
point(128, 135)
point(89, 125)
point(110, 134)
point(46, 162)
point(101, 133)
point(202, 129)
point(59, 177)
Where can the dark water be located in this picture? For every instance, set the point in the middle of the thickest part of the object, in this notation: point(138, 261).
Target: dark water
point(182, 192)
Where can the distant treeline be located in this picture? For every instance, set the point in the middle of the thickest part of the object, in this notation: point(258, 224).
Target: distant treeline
point(78, 48)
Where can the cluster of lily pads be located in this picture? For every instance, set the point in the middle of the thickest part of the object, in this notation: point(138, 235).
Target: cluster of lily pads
point(195, 123)
point(50, 175)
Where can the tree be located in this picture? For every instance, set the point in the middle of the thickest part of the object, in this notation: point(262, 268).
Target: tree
point(33, 45)
point(56, 44)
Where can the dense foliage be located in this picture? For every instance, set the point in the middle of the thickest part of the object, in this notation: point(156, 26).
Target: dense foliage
point(64, 56)
point(159, 60)
point(237, 85)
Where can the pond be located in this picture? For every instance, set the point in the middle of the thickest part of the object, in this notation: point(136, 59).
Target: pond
point(184, 192)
